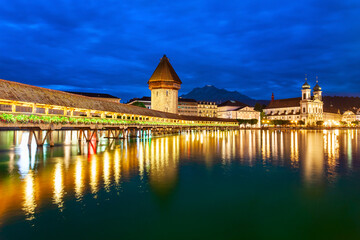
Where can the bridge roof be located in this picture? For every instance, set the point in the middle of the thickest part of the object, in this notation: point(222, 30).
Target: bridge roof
point(24, 93)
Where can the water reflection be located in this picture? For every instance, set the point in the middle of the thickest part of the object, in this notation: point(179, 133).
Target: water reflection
point(58, 185)
point(79, 186)
point(29, 203)
point(74, 171)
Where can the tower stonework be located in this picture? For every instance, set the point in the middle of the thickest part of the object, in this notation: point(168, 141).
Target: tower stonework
point(164, 85)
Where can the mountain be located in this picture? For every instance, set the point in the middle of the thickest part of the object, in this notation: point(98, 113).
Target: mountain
point(214, 94)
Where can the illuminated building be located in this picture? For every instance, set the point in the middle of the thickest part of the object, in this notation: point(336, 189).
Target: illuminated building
point(308, 107)
point(348, 117)
point(164, 85)
point(207, 109)
point(188, 107)
point(237, 110)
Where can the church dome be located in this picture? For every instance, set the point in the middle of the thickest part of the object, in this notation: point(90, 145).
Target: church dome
point(306, 85)
point(317, 87)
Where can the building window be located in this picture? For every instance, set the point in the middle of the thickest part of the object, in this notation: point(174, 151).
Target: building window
point(304, 110)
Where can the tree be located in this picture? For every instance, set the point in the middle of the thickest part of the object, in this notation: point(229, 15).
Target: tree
point(258, 107)
point(343, 123)
point(355, 123)
point(319, 123)
point(253, 121)
point(139, 104)
point(301, 122)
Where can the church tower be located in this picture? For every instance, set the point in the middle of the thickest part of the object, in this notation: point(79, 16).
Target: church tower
point(164, 85)
point(306, 90)
point(317, 90)
point(305, 102)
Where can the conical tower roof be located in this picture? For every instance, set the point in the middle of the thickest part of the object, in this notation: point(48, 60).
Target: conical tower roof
point(164, 72)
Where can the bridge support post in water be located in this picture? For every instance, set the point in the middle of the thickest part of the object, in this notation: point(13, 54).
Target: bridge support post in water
point(40, 140)
point(96, 135)
point(51, 138)
point(80, 135)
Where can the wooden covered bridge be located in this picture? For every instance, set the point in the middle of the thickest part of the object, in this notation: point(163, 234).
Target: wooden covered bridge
point(42, 111)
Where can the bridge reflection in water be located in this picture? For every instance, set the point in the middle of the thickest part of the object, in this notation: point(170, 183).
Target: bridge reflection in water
point(32, 177)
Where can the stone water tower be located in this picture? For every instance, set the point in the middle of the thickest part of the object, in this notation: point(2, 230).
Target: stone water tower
point(164, 85)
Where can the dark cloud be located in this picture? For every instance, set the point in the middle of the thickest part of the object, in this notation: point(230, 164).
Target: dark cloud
point(255, 47)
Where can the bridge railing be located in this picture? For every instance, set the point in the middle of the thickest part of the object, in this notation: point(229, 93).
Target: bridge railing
point(21, 118)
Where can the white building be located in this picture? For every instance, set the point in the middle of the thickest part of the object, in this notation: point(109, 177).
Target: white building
point(207, 109)
point(358, 115)
point(308, 108)
point(348, 117)
point(237, 110)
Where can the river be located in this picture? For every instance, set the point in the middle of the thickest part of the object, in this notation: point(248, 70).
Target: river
point(246, 184)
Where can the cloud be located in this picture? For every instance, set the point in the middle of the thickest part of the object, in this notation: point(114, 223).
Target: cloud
point(256, 47)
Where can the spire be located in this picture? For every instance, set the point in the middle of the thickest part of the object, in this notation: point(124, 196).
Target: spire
point(317, 87)
point(305, 85)
point(272, 97)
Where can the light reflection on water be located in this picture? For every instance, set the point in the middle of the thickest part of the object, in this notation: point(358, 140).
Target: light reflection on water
point(72, 170)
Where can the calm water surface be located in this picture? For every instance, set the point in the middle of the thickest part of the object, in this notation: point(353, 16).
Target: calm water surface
point(247, 184)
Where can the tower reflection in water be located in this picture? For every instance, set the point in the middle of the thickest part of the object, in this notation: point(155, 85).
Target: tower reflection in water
point(72, 171)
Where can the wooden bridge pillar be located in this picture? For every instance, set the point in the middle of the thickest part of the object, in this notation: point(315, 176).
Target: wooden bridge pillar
point(30, 137)
point(51, 138)
point(40, 140)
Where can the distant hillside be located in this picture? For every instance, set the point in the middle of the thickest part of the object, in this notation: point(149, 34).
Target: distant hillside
point(214, 94)
point(343, 104)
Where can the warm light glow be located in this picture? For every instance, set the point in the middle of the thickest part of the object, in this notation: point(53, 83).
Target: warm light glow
point(78, 179)
point(29, 203)
point(106, 171)
point(58, 186)
point(93, 176)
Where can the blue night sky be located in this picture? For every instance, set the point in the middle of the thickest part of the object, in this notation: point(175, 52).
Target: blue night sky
point(254, 47)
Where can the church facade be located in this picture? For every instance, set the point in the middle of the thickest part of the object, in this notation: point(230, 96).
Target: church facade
point(307, 108)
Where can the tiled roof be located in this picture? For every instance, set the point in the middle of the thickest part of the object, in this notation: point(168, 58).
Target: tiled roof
point(283, 103)
point(20, 92)
point(164, 72)
point(147, 99)
point(98, 95)
point(187, 100)
point(233, 103)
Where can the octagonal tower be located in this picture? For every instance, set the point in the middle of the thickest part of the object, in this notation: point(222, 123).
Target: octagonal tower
point(164, 85)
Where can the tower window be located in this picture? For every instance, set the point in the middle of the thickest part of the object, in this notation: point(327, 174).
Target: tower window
point(304, 96)
point(304, 110)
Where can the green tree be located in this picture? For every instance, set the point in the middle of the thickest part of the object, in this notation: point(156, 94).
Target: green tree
point(253, 121)
point(139, 104)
